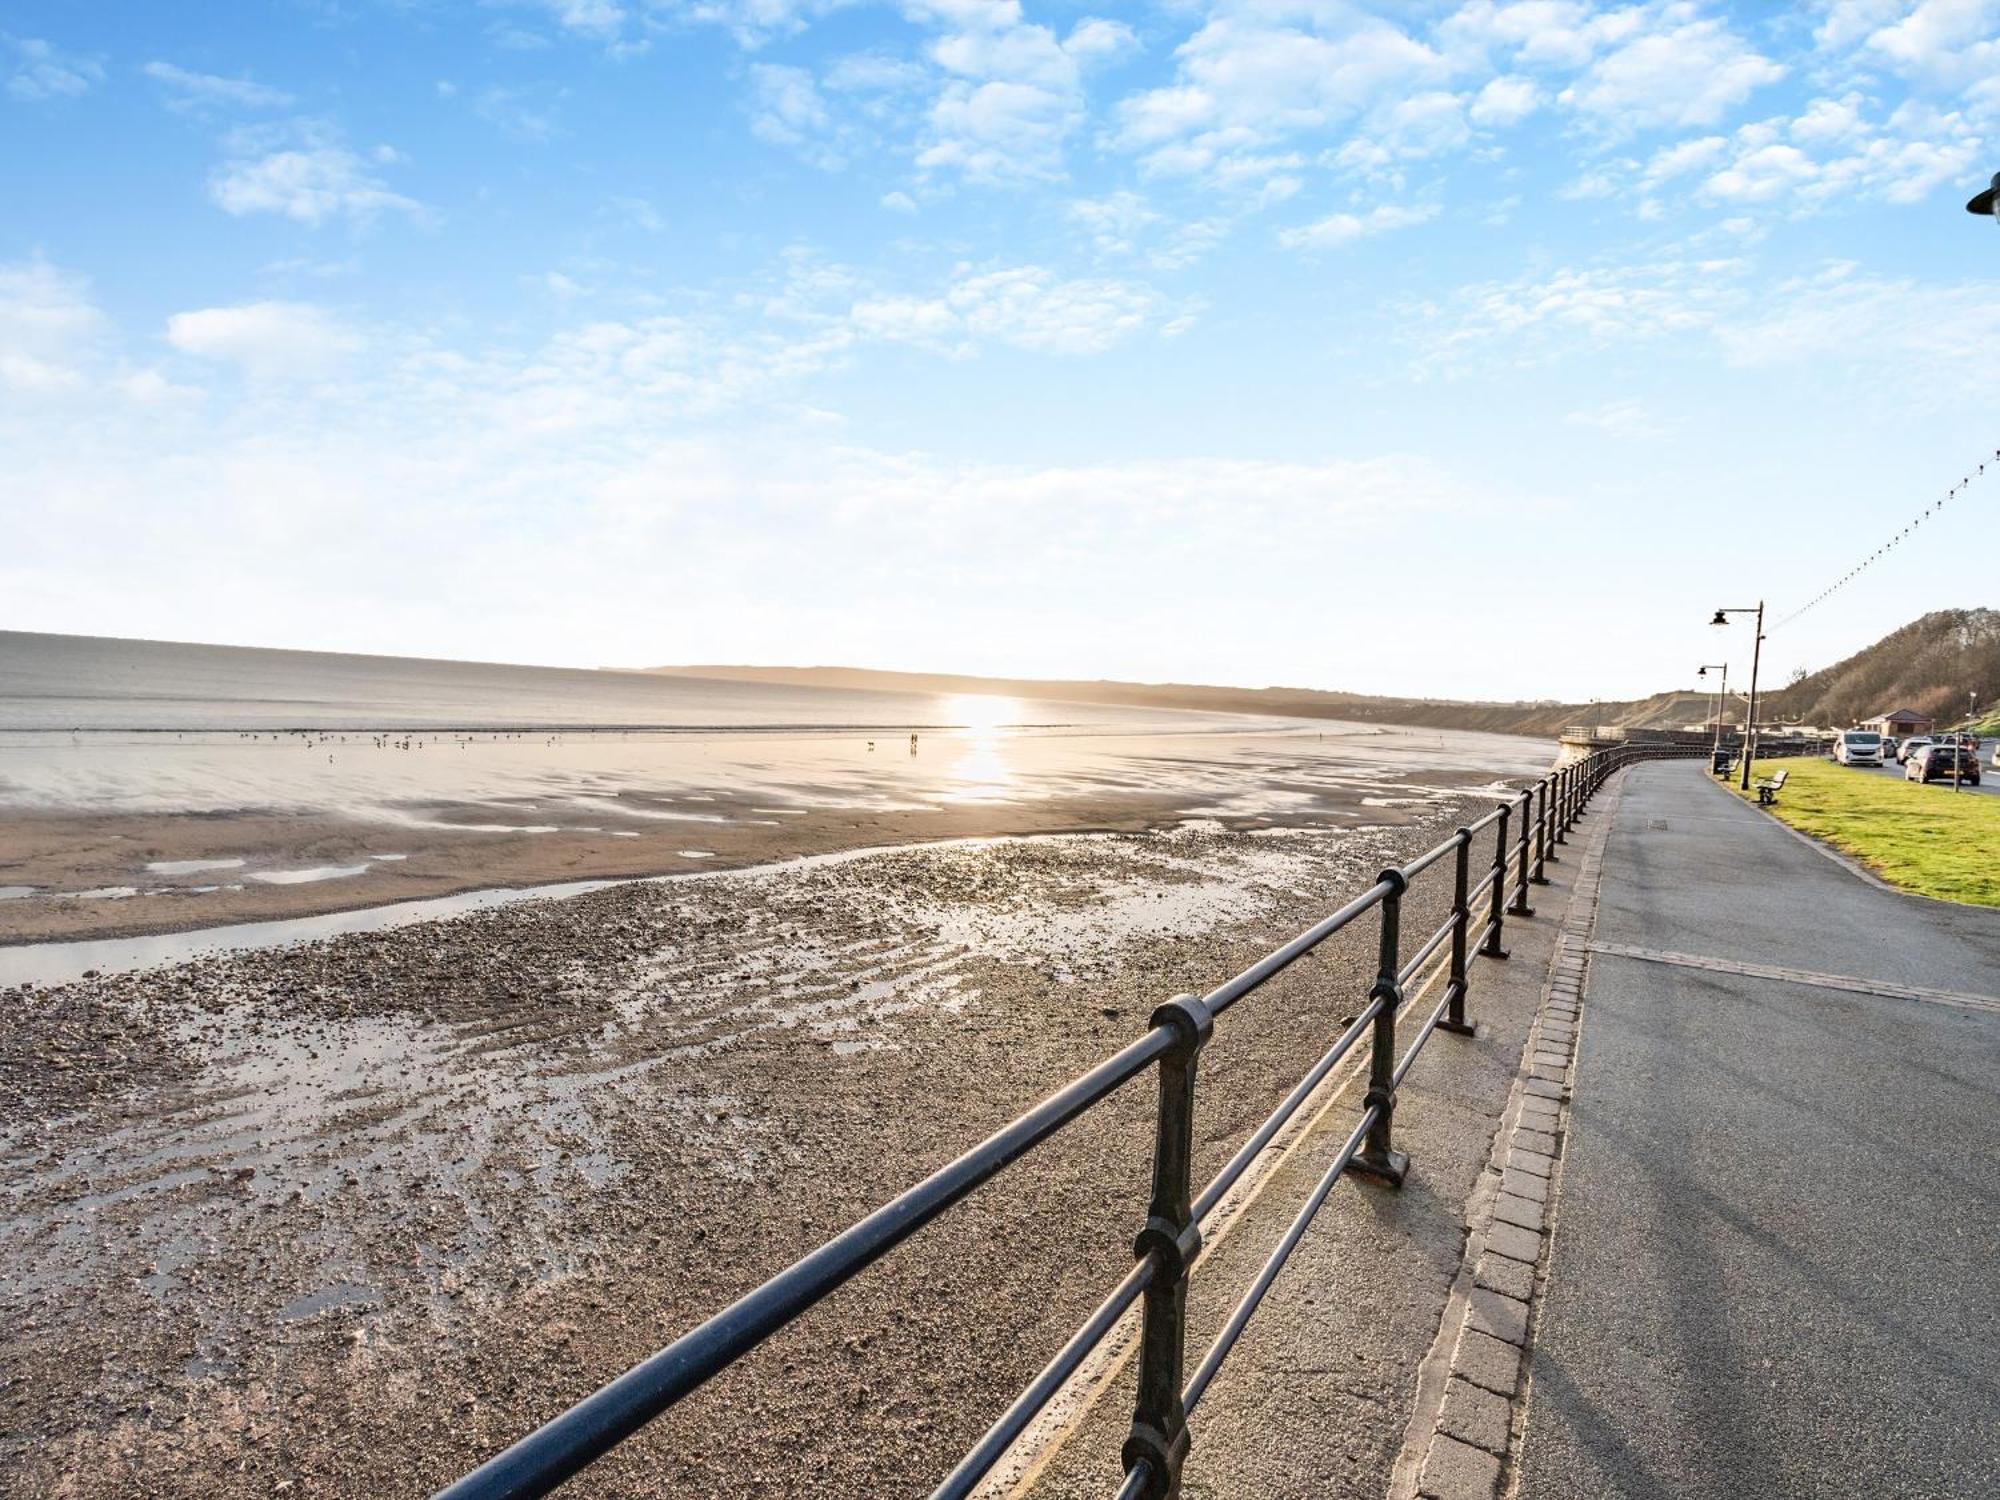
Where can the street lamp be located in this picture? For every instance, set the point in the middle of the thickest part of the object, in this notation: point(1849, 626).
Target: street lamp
point(1715, 748)
point(1958, 741)
point(1756, 658)
point(1987, 204)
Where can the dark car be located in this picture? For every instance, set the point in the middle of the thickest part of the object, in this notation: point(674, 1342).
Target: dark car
point(1934, 763)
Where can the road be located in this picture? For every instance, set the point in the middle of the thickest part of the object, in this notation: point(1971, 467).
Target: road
point(1989, 774)
point(1773, 1266)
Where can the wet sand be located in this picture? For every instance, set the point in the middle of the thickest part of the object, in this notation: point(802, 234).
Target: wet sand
point(342, 1219)
point(111, 835)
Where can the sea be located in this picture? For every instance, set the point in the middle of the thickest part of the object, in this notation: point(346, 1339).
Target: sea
point(53, 683)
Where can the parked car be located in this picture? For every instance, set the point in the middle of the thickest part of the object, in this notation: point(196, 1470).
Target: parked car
point(1934, 763)
point(1912, 745)
point(1996, 755)
point(1890, 745)
point(1858, 747)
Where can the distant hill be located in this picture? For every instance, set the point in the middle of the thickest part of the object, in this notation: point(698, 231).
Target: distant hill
point(1928, 665)
point(1543, 718)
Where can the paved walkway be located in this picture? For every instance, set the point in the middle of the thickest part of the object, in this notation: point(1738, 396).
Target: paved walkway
point(1776, 1257)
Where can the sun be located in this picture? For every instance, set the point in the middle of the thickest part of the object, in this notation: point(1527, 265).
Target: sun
point(981, 712)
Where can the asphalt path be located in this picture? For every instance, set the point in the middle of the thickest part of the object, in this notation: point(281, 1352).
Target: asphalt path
point(1774, 1267)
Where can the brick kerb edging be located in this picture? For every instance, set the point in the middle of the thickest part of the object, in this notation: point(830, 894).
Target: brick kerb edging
point(1471, 1448)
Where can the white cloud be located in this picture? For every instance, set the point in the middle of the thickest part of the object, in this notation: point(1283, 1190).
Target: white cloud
point(1506, 101)
point(40, 70)
point(1026, 307)
point(1950, 42)
point(1012, 93)
point(1094, 39)
point(55, 342)
point(1846, 22)
point(1338, 230)
point(1252, 76)
point(1536, 318)
point(189, 90)
point(602, 19)
point(754, 23)
point(1116, 222)
point(1123, 224)
point(787, 109)
point(268, 340)
point(1536, 33)
point(1629, 420)
point(312, 182)
point(49, 329)
point(1835, 153)
point(1419, 125)
point(1690, 73)
point(521, 114)
point(1930, 343)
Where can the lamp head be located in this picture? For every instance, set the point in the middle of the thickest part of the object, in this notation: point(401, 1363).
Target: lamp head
point(1703, 672)
point(1987, 204)
point(1721, 618)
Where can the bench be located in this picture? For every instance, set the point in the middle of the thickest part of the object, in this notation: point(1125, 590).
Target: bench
point(1769, 787)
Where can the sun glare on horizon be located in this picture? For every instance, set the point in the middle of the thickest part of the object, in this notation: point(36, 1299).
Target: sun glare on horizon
point(982, 712)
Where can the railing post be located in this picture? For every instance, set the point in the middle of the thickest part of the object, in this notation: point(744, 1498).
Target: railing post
point(1461, 915)
point(1379, 1157)
point(1542, 853)
point(1520, 907)
point(1495, 922)
point(1560, 817)
point(1159, 1436)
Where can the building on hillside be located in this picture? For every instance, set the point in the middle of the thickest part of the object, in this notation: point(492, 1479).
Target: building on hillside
point(1901, 722)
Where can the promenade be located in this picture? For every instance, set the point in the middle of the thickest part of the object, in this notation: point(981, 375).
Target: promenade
point(1773, 1261)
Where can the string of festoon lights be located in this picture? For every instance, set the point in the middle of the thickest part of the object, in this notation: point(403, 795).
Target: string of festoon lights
point(1895, 541)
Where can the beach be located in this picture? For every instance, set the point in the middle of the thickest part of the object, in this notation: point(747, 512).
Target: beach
point(340, 1201)
point(349, 1216)
point(202, 786)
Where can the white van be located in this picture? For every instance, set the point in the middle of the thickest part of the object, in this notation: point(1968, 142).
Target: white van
point(1858, 747)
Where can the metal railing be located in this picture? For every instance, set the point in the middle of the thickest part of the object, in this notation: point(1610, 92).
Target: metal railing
point(1529, 829)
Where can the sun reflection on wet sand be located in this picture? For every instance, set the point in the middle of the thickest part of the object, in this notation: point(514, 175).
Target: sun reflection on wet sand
point(982, 770)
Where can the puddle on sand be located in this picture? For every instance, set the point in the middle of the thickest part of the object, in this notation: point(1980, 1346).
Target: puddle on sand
point(102, 893)
point(17, 892)
point(63, 962)
point(696, 853)
point(306, 877)
point(341, 1294)
point(191, 866)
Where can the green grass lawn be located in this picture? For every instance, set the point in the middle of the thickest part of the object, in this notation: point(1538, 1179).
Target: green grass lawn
point(1922, 838)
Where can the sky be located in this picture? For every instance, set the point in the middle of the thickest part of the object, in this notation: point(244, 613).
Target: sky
point(1472, 349)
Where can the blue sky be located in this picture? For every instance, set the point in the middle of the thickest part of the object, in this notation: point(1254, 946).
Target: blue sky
point(1469, 348)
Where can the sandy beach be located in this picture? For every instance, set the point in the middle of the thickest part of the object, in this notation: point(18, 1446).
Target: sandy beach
point(340, 1219)
point(544, 1043)
point(110, 834)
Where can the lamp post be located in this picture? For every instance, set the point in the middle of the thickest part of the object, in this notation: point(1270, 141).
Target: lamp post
point(1756, 659)
point(1958, 740)
point(1715, 746)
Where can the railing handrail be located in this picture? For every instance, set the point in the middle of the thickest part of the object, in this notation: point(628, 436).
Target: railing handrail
point(1169, 1247)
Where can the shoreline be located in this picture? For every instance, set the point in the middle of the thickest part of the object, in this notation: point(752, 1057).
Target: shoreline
point(455, 825)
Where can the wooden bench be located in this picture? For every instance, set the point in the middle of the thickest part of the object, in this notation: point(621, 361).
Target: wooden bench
point(1769, 787)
